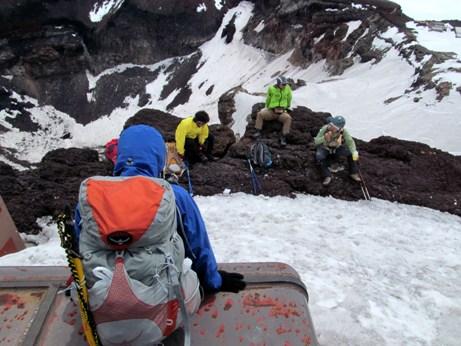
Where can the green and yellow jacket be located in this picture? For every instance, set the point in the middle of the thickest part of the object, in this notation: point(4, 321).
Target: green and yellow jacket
point(278, 97)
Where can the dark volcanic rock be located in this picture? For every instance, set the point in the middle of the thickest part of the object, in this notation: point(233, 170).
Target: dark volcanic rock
point(51, 187)
point(393, 170)
point(48, 46)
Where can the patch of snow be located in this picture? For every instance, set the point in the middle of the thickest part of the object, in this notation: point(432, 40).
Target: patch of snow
point(394, 34)
point(31, 147)
point(351, 27)
point(218, 4)
point(436, 41)
point(259, 27)
point(99, 11)
point(201, 7)
point(8, 77)
point(318, 39)
point(358, 6)
point(380, 44)
point(243, 105)
point(42, 249)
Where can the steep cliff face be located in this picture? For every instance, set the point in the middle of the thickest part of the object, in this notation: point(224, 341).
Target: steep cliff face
point(318, 30)
point(47, 48)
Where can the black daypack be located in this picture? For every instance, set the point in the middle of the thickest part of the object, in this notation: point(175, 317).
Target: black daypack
point(261, 155)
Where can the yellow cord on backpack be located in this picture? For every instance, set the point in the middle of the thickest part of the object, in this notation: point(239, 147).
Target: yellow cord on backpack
point(76, 268)
point(87, 330)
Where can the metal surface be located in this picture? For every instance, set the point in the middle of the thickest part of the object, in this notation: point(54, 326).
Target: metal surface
point(10, 241)
point(272, 310)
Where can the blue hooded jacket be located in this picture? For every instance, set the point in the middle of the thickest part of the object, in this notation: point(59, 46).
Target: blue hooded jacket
point(141, 151)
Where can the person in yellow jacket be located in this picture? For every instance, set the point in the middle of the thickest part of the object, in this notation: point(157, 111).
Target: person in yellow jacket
point(278, 102)
point(194, 142)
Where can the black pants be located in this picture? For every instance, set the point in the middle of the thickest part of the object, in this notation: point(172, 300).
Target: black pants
point(192, 152)
point(323, 157)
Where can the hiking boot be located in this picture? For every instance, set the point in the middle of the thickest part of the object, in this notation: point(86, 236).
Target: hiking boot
point(335, 168)
point(257, 134)
point(355, 177)
point(283, 141)
point(326, 181)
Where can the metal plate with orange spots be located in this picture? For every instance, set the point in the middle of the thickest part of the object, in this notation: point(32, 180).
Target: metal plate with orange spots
point(272, 310)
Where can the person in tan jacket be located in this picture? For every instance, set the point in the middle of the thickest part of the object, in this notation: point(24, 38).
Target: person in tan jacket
point(334, 140)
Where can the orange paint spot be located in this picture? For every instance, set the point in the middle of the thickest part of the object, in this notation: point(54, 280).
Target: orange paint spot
point(220, 330)
point(307, 340)
point(239, 326)
point(10, 300)
point(277, 308)
point(228, 304)
point(281, 330)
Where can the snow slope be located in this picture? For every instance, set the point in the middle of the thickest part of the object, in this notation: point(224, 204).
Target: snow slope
point(378, 273)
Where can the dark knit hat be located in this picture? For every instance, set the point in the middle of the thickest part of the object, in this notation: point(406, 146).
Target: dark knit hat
point(202, 116)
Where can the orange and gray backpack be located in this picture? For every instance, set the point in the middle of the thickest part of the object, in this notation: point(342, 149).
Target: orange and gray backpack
point(140, 287)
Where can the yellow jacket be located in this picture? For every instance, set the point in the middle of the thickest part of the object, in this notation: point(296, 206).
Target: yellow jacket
point(187, 128)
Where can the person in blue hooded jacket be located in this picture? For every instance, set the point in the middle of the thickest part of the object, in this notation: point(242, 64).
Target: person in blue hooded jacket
point(141, 151)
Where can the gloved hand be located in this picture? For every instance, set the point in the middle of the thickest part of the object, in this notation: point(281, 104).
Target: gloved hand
point(355, 155)
point(231, 282)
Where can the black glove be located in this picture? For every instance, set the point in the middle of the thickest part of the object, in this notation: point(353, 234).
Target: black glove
point(232, 282)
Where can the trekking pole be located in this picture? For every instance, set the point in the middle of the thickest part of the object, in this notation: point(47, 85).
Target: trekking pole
point(363, 186)
point(189, 182)
point(255, 184)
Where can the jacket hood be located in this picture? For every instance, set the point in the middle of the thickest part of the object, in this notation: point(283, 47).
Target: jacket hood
point(141, 151)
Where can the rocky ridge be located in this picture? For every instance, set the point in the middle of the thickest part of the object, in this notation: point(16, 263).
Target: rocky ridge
point(394, 170)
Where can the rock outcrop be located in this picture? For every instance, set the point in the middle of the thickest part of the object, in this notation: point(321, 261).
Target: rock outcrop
point(393, 170)
point(47, 48)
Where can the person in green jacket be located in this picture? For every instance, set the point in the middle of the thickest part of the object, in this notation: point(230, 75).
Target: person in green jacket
point(194, 142)
point(278, 102)
point(334, 140)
